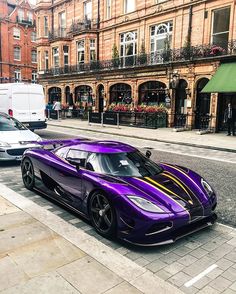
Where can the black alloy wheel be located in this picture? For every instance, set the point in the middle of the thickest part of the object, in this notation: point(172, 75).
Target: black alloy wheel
point(102, 215)
point(28, 176)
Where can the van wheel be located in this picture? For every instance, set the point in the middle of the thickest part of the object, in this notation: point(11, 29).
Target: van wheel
point(28, 176)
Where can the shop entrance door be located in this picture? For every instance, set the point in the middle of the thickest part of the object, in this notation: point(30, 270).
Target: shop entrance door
point(223, 100)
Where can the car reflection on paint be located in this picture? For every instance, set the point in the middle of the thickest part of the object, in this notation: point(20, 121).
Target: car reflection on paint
point(120, 190)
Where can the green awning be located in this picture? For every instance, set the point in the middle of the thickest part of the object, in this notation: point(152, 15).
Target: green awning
point(223, 81)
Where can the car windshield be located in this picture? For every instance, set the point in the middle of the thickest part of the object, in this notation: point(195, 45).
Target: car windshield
point(130, 164)
point(10, 124)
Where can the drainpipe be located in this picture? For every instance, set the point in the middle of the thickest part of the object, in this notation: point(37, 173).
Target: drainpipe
point(52, 24)
point(190, 25)
point(98, 27)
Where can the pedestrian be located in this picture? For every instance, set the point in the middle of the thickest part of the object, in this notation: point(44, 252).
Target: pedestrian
point(57, 108)
point(48, 109)
point(229, 119)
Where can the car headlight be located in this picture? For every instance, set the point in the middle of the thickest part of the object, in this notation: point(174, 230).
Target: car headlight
point(145, 204)
point(207, 187)
point(4, 144)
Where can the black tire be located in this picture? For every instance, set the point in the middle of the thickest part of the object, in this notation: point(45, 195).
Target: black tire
point(27, 171)
point(102, 215)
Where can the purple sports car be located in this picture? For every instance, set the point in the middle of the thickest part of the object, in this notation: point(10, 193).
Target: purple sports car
point(121, 191)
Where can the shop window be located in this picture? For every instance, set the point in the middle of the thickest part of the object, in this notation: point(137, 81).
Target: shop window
point(152, 93)
point(220, 30)
point(161, 37)
point(120, 93)
point(83, 94)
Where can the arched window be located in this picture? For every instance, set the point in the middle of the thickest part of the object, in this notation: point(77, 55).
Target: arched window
point(83, 94)
point(54, 94)
point(161, 37)
point(152, 93)
point(120, 93)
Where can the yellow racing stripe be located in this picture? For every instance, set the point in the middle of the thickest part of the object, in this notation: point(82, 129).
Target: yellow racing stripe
point(168, 196)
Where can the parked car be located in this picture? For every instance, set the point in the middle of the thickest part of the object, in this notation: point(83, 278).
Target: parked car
point(24, 102)
point(15, 138)
point(120, 190)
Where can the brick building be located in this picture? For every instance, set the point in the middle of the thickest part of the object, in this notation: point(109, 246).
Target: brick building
point(18, 53)
point(161, 52)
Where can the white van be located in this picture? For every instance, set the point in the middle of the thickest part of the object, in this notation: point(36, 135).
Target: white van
point(24, 102)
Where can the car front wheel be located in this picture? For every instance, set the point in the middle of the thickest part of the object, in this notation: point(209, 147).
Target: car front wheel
point(27, 171)
point(102, 215)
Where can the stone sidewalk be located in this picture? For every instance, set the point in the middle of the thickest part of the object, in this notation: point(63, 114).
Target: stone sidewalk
point(40, 253)
point(216, 141)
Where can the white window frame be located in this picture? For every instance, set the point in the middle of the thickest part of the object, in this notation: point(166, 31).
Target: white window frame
point(223, 32)
point(80, 49)
point(55, 55)
point(162, 31)
point(17, 75)
point(34, 56)
point(17, 53)
point(62, 23)
point(92, 50)
point(46, 59)
point(20, 14)
point(16, 33)
point(129, 6)
point(30, 16)
point(65, 54)
point(33, 36)
point(45, 26)
point(108, 9)
point(34, 76)
point(88, 10)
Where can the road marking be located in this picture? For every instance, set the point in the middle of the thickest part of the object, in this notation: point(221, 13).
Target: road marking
point(200, 276)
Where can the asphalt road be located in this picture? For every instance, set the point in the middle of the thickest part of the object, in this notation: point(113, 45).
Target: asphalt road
point(221, 175)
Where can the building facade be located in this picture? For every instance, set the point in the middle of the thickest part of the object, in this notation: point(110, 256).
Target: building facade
point(137, 52)
point(18, 52)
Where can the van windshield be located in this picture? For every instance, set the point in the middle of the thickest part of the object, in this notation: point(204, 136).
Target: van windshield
point(10, 124)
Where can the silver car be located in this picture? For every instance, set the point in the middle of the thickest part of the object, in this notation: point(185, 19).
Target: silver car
point(15, 138)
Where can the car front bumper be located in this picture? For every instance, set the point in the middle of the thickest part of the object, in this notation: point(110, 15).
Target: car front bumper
point(14, 152)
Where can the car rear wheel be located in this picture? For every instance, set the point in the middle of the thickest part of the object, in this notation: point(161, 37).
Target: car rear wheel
point(27, 171)
point(102, 215)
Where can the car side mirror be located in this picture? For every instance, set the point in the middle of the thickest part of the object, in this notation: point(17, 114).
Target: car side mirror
point(148, 153)
point(74, 161)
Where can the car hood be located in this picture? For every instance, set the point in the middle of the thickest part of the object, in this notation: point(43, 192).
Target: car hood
point(14, 137)
point(168, 189)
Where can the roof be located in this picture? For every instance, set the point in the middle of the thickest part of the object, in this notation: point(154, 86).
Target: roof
point(102, 146)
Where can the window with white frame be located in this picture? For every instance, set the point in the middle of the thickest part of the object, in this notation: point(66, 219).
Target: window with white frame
point(45, 26)
point(17, 53)
point(62, 23)
point(34, 56)
point(30, 16)
point(128, 47)
point(161, 38)
point(108, 9)
point(17, 75)
point(38, 27)
point(46, 60)
point(16, 33)
point(80, 51)
point(39, 60)
point(33, 36)
point(129, 6)
point(55, 54)
point(20, 14)
point(34, 76)
point(88, 10)
point(92, 50)
point(220, 29)
point(66, 55)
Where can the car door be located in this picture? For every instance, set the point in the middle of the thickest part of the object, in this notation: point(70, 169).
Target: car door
point(68, 178)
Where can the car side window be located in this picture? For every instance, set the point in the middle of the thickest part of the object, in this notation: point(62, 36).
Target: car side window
point(79, 155)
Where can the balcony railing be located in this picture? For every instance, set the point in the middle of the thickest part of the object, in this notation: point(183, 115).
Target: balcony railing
point(80, 26)
point(24, 21)
point(166, 56)
point(58, 34)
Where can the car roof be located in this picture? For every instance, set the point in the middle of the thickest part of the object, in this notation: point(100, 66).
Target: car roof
point(101, 146)
point(4, 114)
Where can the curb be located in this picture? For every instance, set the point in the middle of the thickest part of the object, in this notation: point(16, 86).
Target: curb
point(148, 139)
